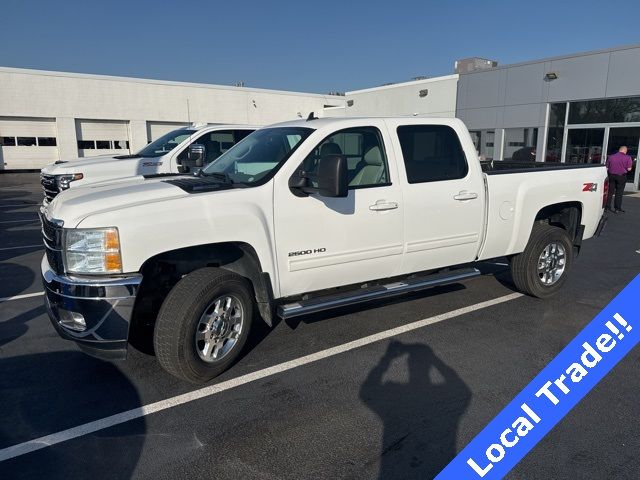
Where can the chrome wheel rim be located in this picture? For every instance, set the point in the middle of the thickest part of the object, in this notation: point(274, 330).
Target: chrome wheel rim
point(552, 263)
point(219, 328)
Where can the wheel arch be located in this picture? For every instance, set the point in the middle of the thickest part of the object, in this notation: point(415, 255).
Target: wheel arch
point(565, 215)
point(568, 216)
point(162, 271)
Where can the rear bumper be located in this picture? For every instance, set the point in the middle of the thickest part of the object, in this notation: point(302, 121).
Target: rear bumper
point(105, 305)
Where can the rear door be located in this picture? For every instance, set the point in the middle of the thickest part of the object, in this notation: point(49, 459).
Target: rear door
point(443, 194)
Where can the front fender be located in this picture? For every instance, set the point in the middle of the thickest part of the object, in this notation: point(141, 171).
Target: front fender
point(233, 216)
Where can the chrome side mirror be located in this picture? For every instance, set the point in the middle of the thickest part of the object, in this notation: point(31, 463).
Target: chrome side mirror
point(197, 152)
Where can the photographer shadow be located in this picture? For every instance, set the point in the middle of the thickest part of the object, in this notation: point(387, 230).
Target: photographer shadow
point(420, 416)
point(45, 393)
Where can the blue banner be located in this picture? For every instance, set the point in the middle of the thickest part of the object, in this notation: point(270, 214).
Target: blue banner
point(553, 393)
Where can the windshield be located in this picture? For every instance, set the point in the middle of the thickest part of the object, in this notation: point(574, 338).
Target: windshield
point(165, 143)
point(258, 156)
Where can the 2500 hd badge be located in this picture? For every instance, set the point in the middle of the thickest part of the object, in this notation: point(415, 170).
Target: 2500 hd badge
point(307, 252)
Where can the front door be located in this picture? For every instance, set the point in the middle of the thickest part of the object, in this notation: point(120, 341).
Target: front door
point(327, 242)
point(629, 137)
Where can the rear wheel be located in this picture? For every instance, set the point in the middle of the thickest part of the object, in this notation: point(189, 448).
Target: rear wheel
point(541, 270)
point(203, 324)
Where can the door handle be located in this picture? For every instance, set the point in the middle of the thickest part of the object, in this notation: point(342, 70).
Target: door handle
point(464, 195)
point(381, 205)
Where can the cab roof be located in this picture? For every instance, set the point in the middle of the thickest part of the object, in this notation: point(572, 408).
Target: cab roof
point(317, 123)
point(219, 126)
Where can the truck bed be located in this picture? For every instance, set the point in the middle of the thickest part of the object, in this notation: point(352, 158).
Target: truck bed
point(517, 191)
point(497, 167)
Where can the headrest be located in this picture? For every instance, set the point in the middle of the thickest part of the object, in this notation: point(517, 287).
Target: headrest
point(330, 148)
point(373, 156)
point(215, 146)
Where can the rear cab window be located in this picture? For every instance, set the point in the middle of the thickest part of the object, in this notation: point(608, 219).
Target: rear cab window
point(432, 153)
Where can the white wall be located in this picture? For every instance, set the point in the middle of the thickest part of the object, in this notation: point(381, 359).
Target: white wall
point(67, 97)
point(403, 99)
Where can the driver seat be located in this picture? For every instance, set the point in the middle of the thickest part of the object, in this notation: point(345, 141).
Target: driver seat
point(372, 170)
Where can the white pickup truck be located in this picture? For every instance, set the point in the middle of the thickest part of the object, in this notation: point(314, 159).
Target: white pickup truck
point(297, 218)
point(180, 151)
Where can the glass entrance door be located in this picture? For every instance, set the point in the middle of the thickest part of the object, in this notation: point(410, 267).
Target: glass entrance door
point(630, 138)
point(584, 145)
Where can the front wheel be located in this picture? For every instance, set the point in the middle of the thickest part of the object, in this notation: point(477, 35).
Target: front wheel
point(203, 324)
point(541, 270)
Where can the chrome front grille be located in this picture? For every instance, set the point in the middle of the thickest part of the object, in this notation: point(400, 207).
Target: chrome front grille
point(52, 238)
point(49, 186)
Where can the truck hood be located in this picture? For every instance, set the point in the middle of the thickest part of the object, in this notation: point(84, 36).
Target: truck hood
point(97, 169)
point(75, 204)
point(72, 166)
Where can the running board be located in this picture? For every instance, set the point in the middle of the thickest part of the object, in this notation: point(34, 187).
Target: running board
point(313, 305)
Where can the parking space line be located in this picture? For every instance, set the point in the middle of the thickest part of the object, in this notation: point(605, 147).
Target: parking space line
point(119, 418)
point(21, 246)
point(18, 297)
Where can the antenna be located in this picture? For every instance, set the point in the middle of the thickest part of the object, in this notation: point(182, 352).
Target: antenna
point(311, 117)
point(188, 112)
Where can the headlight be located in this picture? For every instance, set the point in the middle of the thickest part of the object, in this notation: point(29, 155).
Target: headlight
point(65, 180)
point(95, 250)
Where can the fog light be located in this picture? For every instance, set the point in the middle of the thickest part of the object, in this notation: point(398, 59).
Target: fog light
point(72, 320)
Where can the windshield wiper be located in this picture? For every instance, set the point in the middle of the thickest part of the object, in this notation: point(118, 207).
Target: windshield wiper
point(222, 176)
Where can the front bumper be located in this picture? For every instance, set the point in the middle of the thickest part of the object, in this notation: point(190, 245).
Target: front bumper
point(105, 304)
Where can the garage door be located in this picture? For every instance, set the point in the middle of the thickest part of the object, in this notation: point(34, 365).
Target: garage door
point(27, 143)
point(156, 129)
point(102, 137)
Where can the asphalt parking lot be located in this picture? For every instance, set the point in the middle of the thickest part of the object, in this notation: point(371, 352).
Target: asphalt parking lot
point(399, 407)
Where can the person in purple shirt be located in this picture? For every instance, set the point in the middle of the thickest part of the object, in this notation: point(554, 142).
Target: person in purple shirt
point(618, 165)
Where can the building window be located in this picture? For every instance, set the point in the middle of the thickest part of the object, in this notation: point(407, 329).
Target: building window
point(611, 110)
point(47, 142)
point(520, 144)
point(584, 145)
point(26, 141)
point(103, 144)
point(431, 153)
point(555, 133)
point(483, 141)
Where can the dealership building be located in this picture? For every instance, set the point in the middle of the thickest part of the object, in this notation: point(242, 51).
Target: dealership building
point(574, 108)
point(47, 116)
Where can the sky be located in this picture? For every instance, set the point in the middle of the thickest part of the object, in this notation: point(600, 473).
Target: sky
point(307, 46)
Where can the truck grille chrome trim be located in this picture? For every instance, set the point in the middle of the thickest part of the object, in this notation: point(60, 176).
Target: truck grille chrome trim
point(318, 304)
point(49, 186)
point(52, 239)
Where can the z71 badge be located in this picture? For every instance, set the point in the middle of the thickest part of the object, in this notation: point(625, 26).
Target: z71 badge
point(307, 252)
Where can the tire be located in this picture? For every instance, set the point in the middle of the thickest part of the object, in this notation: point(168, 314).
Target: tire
point(191, 306)
point(524, 266)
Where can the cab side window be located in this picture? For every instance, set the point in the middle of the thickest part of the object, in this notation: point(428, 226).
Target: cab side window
point(215, 144)
point(432, 153)
point(364, 152)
